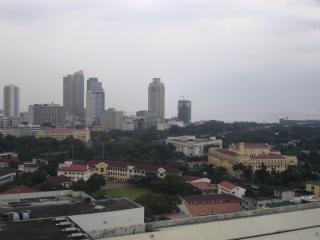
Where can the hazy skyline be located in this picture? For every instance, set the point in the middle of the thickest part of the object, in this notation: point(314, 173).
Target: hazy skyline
point(243, 60)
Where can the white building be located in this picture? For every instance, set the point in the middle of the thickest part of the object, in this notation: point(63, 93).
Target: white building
point(156, 98)
point(23, 130)
point(6, 175)
point(230, 188)
point(11, 101)
point(192, 146)
point(75, 172)
point(95, 100)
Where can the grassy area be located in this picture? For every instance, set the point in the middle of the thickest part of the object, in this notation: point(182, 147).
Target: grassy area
point(131, 193)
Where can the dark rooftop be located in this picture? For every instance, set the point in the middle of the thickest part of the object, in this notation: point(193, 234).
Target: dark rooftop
point(31, 230)
point(78, 208)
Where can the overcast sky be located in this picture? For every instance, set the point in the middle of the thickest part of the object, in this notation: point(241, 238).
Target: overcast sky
point(242, 59)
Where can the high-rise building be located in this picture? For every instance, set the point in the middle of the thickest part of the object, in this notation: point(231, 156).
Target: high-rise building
point(47, 113)
point(11, 101)
point(156, 98)
point(95, 100)
point(184, 111)
point(73, 93)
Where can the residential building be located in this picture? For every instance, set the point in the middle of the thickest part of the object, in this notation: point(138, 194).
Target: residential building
point(9, 122)
point(7, 175)
point(113, 120)
point(205, 188)
point(73, 93)
point(254, 155)
point(75, 172)
point(7, 158)
point(184, 111)
point(122, 171)
point(202, 205)
point(17, 191)
point(194, 179)
point(156, 98)
point(313, 186)
point(192, 146)
point(168, 123)
point(11, 101)
point(95, 100)
point(28, 167)
point(53, 114)
point(230, 188)
point(61, 180)
point(24, 130)
point(63, 133)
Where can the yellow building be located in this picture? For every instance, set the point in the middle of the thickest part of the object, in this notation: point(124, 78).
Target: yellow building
point(63, 133)
point(313, 186)
point(250, 154)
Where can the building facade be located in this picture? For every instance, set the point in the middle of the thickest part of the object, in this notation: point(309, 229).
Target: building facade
point(11, 101)
point(53, 114)
point(73, 93)
point(122, 171)
point(75, 172)
point(113, 119)
point(156, 98)
point(95, 100)
point(255, 155)
point(7, 175)
point(184, 111)
point(24, 130)
point(63, 133)
point(192, 146)
point(230, 188)
point(313, 186)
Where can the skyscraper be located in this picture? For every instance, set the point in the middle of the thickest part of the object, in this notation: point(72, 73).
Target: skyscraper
point(11, 101)
point(184, 110)
point(73, 93)
point(156, 98)
point(95, 100)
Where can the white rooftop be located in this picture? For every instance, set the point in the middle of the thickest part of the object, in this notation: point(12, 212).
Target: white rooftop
point(304, 224)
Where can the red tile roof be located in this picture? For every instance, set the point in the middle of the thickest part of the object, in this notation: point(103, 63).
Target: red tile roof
point(213, 198)
point(204, 186)
point(75, 168)
point(227, 152)
point(270, 156)
point(227, 185)
point(20, 189)
point(188, 178)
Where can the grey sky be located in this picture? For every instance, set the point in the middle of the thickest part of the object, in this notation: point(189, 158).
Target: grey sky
point(243, 59)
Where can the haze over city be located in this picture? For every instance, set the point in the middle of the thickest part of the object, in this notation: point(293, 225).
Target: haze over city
point(242, 60)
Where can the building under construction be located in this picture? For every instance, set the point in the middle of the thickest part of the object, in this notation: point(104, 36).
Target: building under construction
point(184, 110)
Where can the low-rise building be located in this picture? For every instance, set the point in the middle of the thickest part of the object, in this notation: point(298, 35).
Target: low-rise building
point(23, 130)
point(192, 146)
point(72, 212)
point(7, 158)
point(205, 188)
point(28, 167)
point(194, 179)
point(7, 175)
point(123, 171)
point(230, 188)
point(254, 155)
point(201, 205)
point(63, 133)
point(313, 186)
point(75, 172)
point(61, 180)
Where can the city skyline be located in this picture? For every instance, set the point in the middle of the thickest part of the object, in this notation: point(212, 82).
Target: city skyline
point(248, 60)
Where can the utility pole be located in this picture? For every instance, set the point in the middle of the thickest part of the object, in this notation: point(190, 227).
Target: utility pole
point(102, 150)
